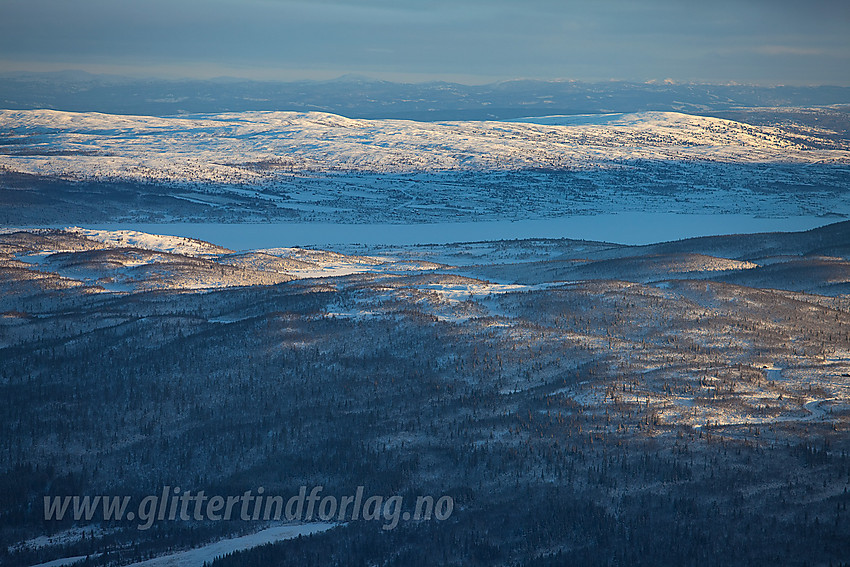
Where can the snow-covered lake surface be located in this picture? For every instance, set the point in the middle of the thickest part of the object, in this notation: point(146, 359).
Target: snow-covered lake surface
point(197, 557)
point(622, 228)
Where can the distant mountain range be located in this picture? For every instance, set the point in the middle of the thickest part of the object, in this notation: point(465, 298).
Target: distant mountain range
point(361, 97)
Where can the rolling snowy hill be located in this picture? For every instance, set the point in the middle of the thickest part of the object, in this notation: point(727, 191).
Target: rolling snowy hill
point(252, 147)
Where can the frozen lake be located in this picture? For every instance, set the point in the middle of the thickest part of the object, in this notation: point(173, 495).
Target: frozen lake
point(623, 228)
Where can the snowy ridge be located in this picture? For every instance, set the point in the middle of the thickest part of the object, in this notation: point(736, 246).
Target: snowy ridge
point(154, 242)
point(253, 147)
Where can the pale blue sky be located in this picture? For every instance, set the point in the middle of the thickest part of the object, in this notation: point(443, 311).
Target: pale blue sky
point(471, 41)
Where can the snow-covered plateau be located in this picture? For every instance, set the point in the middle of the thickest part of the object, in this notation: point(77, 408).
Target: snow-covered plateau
point(317, 167)
point(249, 147)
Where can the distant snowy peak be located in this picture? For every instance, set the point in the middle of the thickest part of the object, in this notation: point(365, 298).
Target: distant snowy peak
point(254, 147)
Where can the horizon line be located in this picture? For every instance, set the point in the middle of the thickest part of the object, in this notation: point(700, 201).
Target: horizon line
point(352, 77)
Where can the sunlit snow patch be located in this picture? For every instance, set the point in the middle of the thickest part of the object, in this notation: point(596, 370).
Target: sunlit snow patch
point(155, 242)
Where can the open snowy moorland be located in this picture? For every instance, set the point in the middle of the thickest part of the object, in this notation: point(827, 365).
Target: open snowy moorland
point(535, 381)
point(256, 166)
point(247, 147)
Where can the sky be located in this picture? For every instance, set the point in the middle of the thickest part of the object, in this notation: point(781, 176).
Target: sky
point(764, 42)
